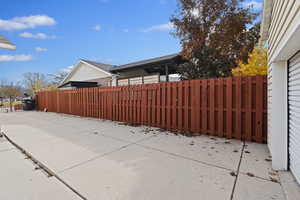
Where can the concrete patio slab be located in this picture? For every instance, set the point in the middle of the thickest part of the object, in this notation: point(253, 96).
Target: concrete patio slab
point(4, 145)
point(111, 160)
point(211, 150)
point(290, 186)
point(56, 153)
point(129, 133)
point(27, 134)
point(257, 161)
point(139, 173)
point(19, 180)
point(252, 188)
point(65, 125)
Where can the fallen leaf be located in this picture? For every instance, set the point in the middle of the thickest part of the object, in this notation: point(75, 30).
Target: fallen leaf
point(250, 174)
point(273, 173)
point(274, 180)
point(232, 173)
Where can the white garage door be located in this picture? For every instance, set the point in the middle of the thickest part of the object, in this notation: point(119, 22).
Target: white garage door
point(294, 115)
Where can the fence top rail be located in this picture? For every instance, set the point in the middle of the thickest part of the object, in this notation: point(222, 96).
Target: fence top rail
point(234, 80)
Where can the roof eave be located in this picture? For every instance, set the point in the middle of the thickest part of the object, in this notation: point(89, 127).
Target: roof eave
point(144, 63)
point(266, 22)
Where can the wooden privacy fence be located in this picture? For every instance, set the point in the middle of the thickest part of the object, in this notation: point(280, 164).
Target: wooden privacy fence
point(226, 107)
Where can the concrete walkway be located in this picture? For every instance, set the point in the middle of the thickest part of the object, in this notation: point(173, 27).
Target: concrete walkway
point(21, 179)
point(111, 160)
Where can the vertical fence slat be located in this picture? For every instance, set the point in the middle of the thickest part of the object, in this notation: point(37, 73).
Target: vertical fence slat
point(238, 110)
point(158, 113)
point(229, 108)
point(174, 106)
point(180, 105)
point(193, 107)
point(221, 107)
point(248, 96)
point(197, 106)
point(186, 106)
point(212, 107)
point(259, 109)
point(204, 106)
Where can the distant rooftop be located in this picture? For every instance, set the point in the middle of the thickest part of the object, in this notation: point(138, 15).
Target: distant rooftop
point(101, 66)
point(161, 60)
point(153, 61)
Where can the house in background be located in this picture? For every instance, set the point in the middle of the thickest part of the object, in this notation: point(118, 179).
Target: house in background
point(281, 32)
point(88, 74)
point(5, 44)
point(93, 74)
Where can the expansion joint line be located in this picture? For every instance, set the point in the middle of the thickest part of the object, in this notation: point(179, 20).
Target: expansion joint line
point(238, 170)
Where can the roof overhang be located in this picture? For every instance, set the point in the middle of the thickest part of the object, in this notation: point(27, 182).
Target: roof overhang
point(266, 21)
point(78, 84)
point(170, 60)
point(5, 44)
point(96, 68)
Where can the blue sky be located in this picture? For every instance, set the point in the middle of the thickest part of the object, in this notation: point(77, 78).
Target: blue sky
point(52, 35)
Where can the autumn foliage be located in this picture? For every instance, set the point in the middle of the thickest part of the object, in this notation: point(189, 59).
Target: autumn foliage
point(215, 35)
point(257, 64)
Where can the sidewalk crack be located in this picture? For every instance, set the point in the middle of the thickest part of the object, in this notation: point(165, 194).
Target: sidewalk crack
point(238, 171)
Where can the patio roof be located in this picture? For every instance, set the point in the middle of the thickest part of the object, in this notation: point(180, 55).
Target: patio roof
point(162, 61)
point(78, 84)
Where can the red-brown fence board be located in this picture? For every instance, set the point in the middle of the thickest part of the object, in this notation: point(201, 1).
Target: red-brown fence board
point(227, 107)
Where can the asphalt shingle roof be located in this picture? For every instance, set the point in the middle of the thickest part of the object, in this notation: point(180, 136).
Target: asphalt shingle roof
point(144, 62)
point(113, 68)
point(101, 66)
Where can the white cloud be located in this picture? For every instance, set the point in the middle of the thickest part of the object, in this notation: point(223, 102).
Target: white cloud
point(40, 49)
point(19, 23)
point(37, 35)
point(161, 27)
point(15, 58)
point(66, 69)
point(97, 27)
point(254, 4)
